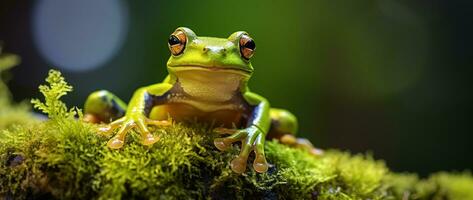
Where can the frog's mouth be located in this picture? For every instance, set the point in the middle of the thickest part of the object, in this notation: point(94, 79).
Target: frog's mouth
point(230, 69)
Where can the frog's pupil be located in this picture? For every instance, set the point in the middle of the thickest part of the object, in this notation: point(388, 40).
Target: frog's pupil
point(250, 44)
point(173, 40)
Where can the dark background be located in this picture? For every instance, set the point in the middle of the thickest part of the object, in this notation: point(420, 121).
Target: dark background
point(389, 77)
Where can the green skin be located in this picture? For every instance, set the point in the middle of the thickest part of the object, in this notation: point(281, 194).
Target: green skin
point(208, 81)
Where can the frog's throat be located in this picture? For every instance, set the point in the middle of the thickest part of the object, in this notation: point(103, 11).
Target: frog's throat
point(213, 86)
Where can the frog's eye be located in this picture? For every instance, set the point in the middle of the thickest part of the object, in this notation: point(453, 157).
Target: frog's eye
point(177, 42)
point(247, 46)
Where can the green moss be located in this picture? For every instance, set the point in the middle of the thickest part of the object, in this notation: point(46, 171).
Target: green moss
point(69, 160)
point(401, 185)
point(52, 106)
point(63, 158)
point(11, 113)
point(7, 61)
point(446, 186)
point(15, 115)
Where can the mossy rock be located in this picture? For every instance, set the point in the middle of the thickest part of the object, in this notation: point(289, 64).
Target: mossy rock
point(66, 159)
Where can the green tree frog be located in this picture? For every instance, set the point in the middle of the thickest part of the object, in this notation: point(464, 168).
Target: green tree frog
point(208, 81)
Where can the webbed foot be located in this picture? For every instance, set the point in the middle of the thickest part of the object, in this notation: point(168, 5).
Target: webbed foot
point(125, 124)
point(252, 139)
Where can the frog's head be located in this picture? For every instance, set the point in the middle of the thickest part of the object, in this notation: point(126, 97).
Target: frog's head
point(191, 52)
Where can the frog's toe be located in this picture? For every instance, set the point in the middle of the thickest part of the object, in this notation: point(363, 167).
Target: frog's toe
point(105, 130)
point(90, 118)
point(223, 144)
point(108, 129)
point(149, 139)
point(303, 143)
point(300, 143)
point(119, 139)
point(252, 139)
point(247, 146)
point(224, 131)
point(288, 139)
point(238, 164)
point(115, 143)
point(159, 122)
point(260, 164)
point(316, 151)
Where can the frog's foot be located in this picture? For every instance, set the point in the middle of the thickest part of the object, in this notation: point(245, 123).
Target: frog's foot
point(225, 131)
point(252, 139)
point(147, 137)
point(301, 143)
point(126, 125)
point(90, 118)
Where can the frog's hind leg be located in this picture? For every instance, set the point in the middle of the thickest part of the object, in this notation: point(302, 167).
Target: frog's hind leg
point(284, 127)
point(103, 106)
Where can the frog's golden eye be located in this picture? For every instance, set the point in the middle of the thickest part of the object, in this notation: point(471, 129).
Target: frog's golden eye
point(177, 42)
point(247, 46)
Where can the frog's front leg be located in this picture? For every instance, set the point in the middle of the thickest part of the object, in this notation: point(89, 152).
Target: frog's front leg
point(252, 138)
point(135, 117)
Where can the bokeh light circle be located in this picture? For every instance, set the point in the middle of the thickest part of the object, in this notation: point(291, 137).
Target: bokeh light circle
point(79, 35)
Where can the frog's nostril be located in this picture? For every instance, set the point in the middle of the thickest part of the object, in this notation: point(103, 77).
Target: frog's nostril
point(223, 51)
point(215, 50)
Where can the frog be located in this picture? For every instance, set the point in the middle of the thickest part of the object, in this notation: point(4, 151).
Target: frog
point(207, 82)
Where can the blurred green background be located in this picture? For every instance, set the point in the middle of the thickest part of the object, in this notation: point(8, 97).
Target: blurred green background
point(390, 77)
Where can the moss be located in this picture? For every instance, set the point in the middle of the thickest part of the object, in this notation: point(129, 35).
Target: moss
point(63, 158)
point(68, 160)
point(402, 185)
point(11, 113)
point(15, 115)
point(52, 105)
point(446, 186)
